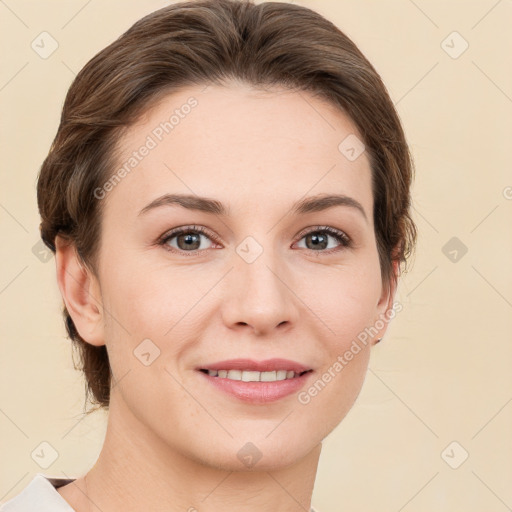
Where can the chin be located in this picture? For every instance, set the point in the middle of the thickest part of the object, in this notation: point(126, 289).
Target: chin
point(257, 453)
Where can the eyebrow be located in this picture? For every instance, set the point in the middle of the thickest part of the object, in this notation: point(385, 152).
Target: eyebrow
point(204, 204)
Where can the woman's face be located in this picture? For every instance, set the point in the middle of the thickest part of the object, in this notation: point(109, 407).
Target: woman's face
point(262, 280)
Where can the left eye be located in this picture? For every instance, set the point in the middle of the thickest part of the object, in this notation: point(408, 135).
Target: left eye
point(319, 239)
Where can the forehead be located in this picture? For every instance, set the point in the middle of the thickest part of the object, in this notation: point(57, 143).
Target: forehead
point(241, 146)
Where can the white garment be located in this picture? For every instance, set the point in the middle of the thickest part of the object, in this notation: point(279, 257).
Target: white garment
point(40, 495)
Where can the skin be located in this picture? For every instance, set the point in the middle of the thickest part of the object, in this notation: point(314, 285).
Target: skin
point(172, 438)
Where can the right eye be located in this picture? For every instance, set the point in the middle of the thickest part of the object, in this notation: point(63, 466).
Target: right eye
point(188, 239)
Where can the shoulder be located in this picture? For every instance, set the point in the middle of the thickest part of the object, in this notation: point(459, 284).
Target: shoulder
point(40, 494)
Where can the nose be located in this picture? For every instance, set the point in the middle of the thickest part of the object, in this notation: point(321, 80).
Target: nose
point(259, 296)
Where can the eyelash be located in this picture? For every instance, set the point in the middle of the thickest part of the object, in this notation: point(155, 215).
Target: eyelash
point(344, 240)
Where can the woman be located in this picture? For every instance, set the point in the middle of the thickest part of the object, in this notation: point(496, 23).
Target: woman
point(228, 200)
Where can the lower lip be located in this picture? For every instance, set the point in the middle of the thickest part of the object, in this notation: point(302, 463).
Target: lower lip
point(258, 392)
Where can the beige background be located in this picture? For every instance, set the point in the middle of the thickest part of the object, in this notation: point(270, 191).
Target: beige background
point(443, 372)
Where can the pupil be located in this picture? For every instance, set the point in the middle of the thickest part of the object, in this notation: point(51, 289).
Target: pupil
point(189, 241)
point(315, 239)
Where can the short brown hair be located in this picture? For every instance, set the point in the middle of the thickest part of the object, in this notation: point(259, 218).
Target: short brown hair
point(208, 42)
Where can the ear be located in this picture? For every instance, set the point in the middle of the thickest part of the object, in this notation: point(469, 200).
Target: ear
point(81, 292)
point(385, 309)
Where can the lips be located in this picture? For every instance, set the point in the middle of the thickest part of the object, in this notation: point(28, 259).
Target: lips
point(256, 382)
point(267, 365)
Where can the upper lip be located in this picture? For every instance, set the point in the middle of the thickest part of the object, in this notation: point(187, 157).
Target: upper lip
point(267, 365)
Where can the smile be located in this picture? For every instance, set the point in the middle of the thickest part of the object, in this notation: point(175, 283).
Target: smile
point(254, 376)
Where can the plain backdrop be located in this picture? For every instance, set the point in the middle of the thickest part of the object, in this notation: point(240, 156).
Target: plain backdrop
point(431, 429)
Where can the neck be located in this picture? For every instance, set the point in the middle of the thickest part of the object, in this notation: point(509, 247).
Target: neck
point(136, 471)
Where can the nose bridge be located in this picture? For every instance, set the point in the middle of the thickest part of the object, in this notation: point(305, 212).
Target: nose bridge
point(258, 292)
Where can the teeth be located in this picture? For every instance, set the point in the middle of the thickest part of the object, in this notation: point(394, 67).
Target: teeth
point(268, 376)
point(253, 376)
point(281, 374)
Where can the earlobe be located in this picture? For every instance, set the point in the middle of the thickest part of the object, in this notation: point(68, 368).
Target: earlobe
point(385, 304)
point(80, 292)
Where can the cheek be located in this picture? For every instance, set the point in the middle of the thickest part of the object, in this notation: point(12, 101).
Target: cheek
point(146, 319)
point(346, 309)
point(344, 302)
point(162, 305)
point(152, 299)
point(345, 306)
